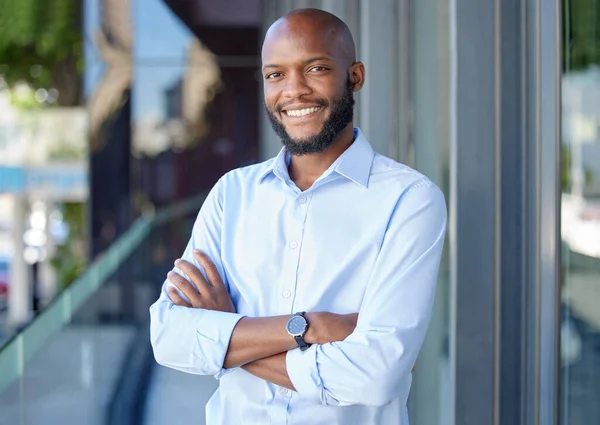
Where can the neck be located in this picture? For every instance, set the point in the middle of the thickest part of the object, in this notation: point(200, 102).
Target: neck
point(305, 169)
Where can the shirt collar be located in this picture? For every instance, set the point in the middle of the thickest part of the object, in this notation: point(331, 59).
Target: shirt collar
point(354, 164)
point(278, 166)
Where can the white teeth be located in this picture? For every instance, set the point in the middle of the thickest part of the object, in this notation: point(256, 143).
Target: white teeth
point(302, 112)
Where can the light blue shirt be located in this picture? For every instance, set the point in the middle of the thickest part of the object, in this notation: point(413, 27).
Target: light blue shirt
point(367, 237)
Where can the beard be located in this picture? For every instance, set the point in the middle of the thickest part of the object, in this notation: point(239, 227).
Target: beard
point(342, 112)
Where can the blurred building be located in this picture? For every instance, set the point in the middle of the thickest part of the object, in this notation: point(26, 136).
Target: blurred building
point(496, 101)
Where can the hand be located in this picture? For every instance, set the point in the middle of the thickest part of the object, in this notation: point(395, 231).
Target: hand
point(324, 327)
point(211, 295)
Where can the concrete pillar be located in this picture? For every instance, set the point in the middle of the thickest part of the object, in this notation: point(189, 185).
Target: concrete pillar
point(19, 287)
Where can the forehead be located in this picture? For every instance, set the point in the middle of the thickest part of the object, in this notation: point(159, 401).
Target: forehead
point(290, 42)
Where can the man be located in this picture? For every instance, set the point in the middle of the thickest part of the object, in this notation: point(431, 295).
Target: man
point(309, 279)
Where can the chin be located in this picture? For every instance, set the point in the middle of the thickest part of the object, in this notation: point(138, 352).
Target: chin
point(300, 133)
point(301, 137)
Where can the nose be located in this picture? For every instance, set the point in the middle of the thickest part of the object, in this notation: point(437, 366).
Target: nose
point(296, 86)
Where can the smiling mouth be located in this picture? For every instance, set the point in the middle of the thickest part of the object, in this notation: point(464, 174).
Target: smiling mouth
point(299, 113)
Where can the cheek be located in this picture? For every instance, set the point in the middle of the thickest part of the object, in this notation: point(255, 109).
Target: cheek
point(271, 108)
point(270, 100)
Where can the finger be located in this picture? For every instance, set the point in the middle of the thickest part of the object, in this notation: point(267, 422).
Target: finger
point(183, 285)
point(214, 278)
point(176, 298)
point(192, 272)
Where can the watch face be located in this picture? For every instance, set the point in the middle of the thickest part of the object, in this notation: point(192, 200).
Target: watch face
point(296, 326)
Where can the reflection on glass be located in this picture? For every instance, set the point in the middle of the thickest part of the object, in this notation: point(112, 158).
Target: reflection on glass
point(170, 100)
point(580, 221)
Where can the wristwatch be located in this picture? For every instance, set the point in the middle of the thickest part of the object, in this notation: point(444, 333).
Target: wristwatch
point(297, 327)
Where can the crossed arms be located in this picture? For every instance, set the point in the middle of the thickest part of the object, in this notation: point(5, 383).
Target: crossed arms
point(363, 360)
point(258, 344)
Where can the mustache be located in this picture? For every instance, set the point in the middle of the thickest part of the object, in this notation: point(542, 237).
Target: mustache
point(320, 102)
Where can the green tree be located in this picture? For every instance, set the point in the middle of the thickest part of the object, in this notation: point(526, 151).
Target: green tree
point(565, 169)
point(41, 45)
point(581, 27)
point(70, 258)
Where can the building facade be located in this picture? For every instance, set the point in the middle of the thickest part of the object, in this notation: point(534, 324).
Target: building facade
point(497, 101)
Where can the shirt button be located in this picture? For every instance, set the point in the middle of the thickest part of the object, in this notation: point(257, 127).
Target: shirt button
point(293, 244)
point(283, 390)
point(287, 294)
point(302, 199)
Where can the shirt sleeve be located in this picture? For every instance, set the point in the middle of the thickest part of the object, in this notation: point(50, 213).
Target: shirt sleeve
point(194, 340)
point(371, 366)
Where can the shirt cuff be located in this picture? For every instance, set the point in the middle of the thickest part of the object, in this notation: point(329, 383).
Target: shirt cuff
point(224, 372)
point(219, 332)
point(303, 371)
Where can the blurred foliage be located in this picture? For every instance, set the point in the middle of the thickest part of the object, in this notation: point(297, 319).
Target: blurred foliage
point(41, 45)
point(581, 21)
point(23, 97)
point(70, 258)
point(64, 152)
point(565, 170)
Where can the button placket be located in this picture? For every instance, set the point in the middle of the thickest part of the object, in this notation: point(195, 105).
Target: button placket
point(294, 234)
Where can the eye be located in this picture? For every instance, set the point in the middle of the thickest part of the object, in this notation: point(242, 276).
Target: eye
point(273, 75)
point(318, 69)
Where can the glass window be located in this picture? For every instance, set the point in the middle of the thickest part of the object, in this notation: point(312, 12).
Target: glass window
point(580, 209)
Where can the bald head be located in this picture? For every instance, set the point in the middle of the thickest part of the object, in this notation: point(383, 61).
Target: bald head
point(316, 24)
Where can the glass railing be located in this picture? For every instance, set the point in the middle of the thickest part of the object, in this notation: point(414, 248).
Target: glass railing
point(84, 358)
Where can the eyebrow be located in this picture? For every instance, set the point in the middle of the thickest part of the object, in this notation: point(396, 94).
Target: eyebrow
point(306, 62)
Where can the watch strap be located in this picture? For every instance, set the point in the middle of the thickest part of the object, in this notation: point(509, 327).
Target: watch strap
point(301, 343)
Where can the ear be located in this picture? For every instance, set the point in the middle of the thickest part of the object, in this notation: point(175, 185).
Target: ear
point(357, 76)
